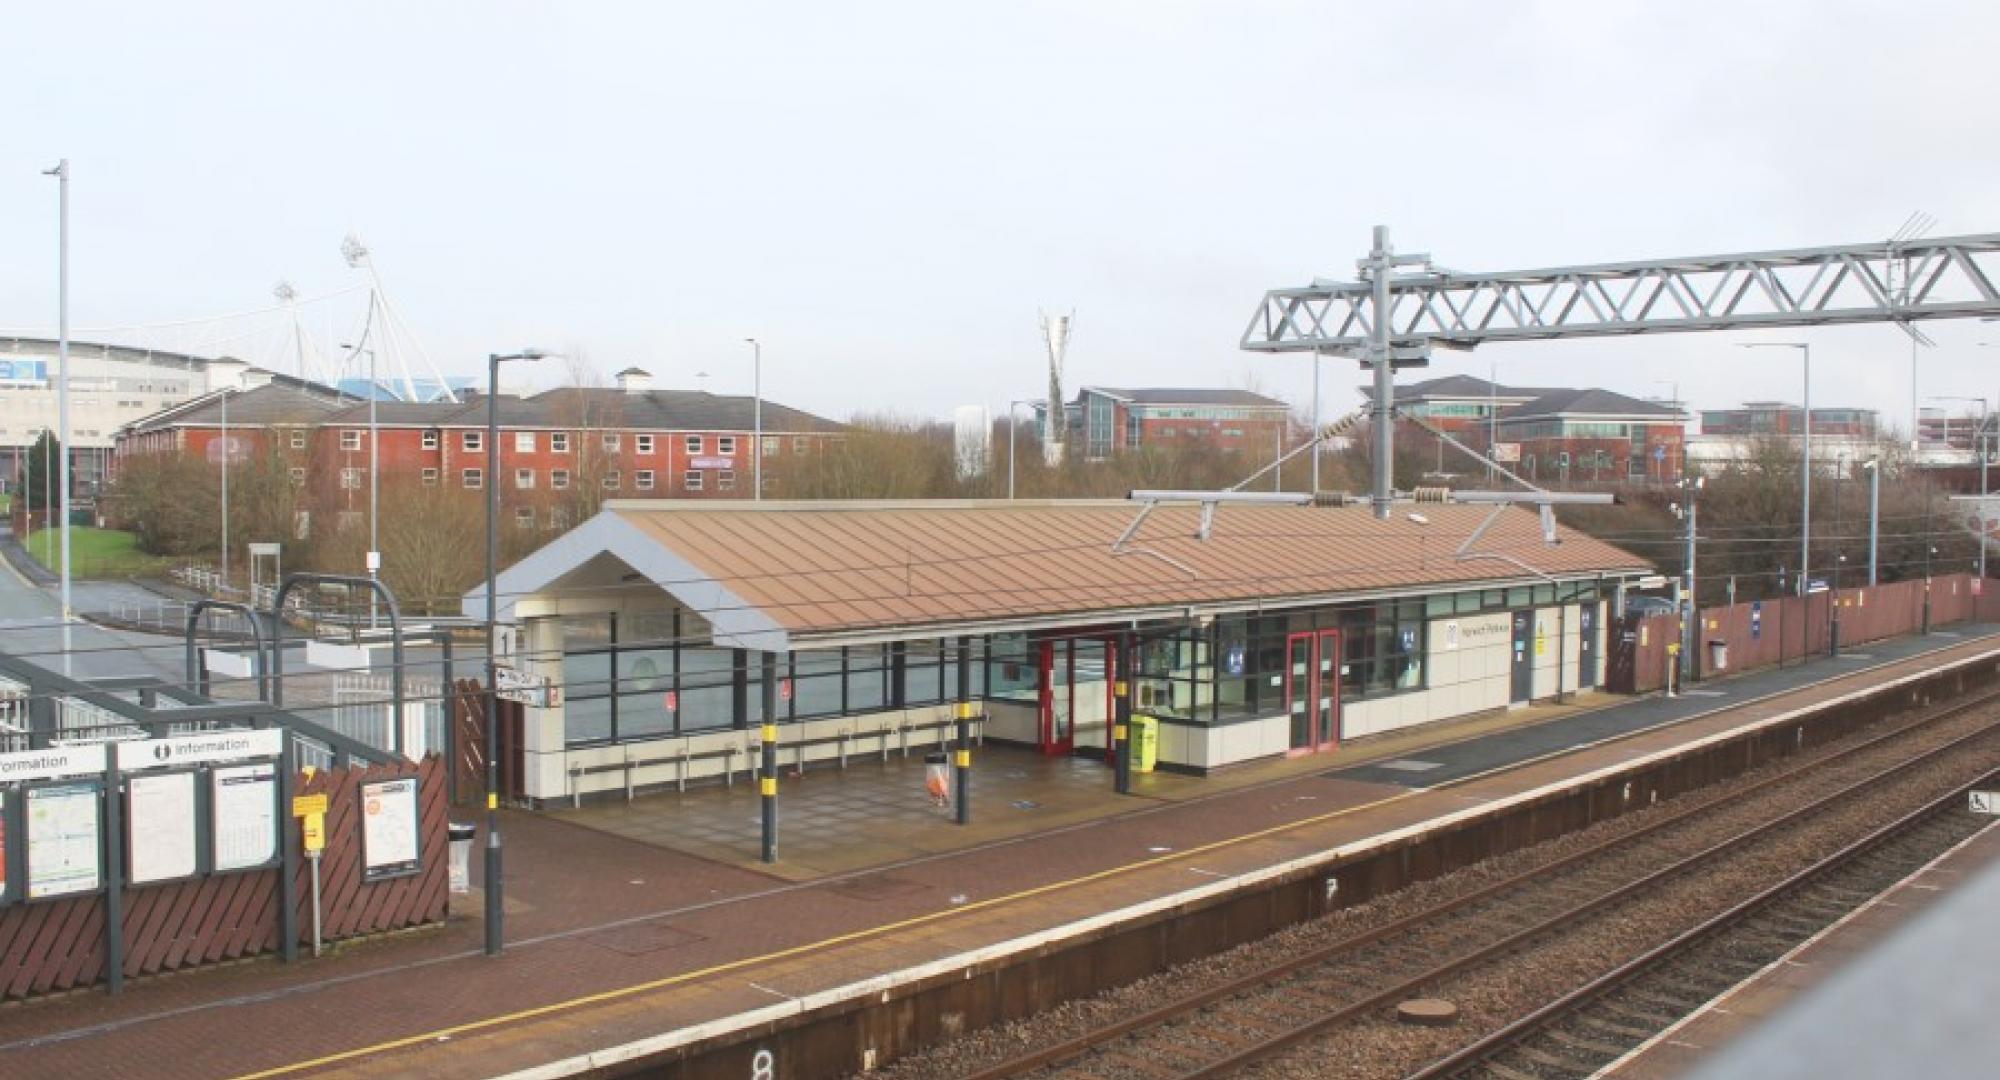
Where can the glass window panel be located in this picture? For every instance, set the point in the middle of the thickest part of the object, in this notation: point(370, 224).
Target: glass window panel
point(920, 672)
point(1012, 668)
point(816, 686)
point(867, 678)
point(705, 688)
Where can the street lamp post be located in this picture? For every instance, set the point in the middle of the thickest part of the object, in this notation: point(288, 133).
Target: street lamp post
point(493, 878)
point(61, 173)
point(757, 407)
point(374, 559)
point(1874, 467)
point(1805, 524)
point(225, 491)
point(1012, 424)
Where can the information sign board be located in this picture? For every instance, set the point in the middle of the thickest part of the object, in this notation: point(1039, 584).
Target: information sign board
point(193, 749)
point(65, 827)
point(52, 763)
point(160, 828)
point(243, 807)
point(389, 829)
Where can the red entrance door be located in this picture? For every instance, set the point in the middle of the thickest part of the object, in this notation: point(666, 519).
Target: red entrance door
point(1312, 690)
point(1057, 672)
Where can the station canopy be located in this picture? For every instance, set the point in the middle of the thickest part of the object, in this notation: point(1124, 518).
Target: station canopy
point(781, 576)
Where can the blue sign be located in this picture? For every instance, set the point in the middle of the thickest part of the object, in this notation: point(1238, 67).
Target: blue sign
point(1410, 640)
point(1232, 660)
point(1756, 619)
point(24, 371)
point(1659, 453)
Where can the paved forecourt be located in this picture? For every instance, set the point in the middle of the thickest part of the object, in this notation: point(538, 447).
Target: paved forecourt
point(621, 948)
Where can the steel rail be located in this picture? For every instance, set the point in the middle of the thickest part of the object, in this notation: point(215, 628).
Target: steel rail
point(1086, 1042)
point(1494, 1043)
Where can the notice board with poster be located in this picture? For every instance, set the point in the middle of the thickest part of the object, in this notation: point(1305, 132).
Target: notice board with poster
point(391, 844)
point(162, 844)
point(243, 803)
point(65, 839)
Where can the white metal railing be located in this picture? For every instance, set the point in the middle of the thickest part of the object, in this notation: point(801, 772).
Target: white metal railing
point(363, 710)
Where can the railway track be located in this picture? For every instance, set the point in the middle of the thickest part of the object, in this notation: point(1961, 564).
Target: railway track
point(1265, 1012)
point(1595, 1025)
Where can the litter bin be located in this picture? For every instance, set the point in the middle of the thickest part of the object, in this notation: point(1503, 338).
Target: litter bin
point(461, 834)
point(1145, 743)
point(1718, 655)
point(937, 778)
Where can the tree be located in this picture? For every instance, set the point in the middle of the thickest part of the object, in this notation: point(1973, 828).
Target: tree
point(40, 477)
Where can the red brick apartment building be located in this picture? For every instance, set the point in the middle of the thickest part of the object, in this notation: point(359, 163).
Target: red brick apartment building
point(1103, 421)
point(1553, 434)
point(631, 441)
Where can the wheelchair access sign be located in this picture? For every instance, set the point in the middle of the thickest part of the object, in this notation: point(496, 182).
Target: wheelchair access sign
point(1984, 802)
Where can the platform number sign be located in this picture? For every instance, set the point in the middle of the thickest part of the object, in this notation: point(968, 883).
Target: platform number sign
point(764, 1066)
point(1985, 802)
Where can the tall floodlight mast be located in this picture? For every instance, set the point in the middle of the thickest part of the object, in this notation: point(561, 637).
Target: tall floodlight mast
point(1388, 319)
point(395, 333)
point(1055, 333)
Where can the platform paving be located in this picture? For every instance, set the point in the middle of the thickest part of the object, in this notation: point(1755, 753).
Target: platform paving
point(614, 938)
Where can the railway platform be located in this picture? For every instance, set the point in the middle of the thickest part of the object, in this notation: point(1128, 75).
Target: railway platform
point(629, 947)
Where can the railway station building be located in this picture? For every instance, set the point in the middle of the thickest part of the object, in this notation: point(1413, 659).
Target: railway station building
point(652, 630)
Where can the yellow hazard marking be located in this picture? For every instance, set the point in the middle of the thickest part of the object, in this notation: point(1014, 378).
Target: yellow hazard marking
point(965, 710)
point(1118, 688)
point(770, 733)
point(621, 992)
point(492, 800)
point(965, 759)
point(1118, 732)
point(768, 786)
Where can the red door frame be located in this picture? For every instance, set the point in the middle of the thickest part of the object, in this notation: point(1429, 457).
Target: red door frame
point(1322, 681)
point(1327, 728)
point(1045, 674)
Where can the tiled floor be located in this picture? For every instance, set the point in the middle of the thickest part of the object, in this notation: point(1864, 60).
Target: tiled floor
point(874, 812)
point(833, 820)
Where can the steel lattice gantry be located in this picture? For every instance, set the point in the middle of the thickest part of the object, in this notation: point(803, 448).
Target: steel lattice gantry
point(1950, 277)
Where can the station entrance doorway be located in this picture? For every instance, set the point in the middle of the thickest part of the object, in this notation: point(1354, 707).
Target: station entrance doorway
point(1312, 690)
point(1077, 697)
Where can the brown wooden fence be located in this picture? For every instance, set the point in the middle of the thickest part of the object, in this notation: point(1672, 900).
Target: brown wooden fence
point(1783, 631)
point(60, 944)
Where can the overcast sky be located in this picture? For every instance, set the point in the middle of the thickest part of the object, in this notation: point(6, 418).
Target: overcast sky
point(885, 194)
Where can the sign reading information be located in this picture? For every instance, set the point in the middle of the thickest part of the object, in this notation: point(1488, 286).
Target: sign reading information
point(389, 829)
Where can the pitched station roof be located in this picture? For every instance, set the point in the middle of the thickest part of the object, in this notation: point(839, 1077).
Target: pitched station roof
point(784, 575)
